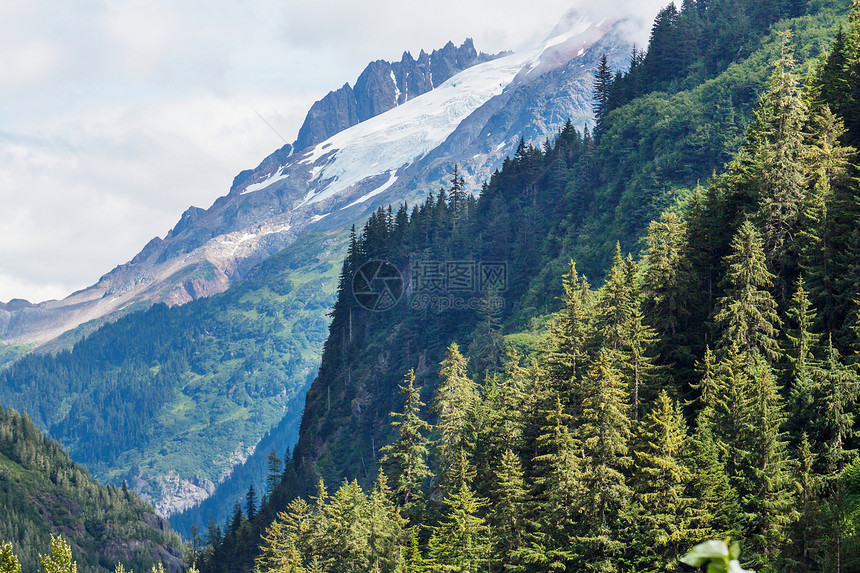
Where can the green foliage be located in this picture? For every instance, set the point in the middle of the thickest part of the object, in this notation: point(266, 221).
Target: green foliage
point(8, 562)
point(41, 491)
point(407, 456)
point(747, 313)
point(177, 389)
point(579, 452)
point(60, 560)
point(717, 556)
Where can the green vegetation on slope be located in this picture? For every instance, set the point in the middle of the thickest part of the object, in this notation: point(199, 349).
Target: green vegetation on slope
point(665, 408)
point(43, 492)
point(187, 390)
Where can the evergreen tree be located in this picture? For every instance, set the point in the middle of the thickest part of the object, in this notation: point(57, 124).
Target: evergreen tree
point(60, 560)
point(825, 251)
point(347, 538)
point(709, 387)
point(460, 542)
point(747, 315)
point(637, 361)
point(8, 562)
point(406, 458)
point(666, 278)
point(731, 412)
point(840, 387)
point(801, 341)
point(415, 562)
point(766, 493)
point(665, 523)
point(557, 490)
point(454, 401)
point(806, 552)
point(614, 306)
point(275, 475)
point(251, 502)
point(507, 512)
point(385, 528)
point(716, 497)
point(775, 143)
point(569, 334)
point(604, 434)
point(602, 87)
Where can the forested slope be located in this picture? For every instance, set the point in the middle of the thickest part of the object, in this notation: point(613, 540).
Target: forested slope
point(42, 492)
point(169, 399)
point(666, 407)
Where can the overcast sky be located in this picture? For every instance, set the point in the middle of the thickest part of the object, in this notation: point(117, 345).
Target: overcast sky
point(116, 115)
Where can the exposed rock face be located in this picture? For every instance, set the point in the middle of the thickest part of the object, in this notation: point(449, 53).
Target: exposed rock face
point(383, 86)
point(171, 494)
point(332, 114)
point(157, 522)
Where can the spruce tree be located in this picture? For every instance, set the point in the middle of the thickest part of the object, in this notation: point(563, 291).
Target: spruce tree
point(569, 333)
point(805, 553)
point(556, 493)
point(385, 528)
point(731, 414)
point(775, 142)
point(801, 341)
point(602, 86)
point(766, 489)
point(717, 504)
point(60, 559)
point(747, 315)
point(614, 306)
point(667, 276)
point(709, 387)
point(840, 387)
point(638, 360)
point(826, 222)
point(453, 402)
point(460, 542)
point(507, 512)
point(406, 458)
point(275, 475)
point(251, 502)
point(346, 544)
point(604, 434)
point(8, 561)
point(664, 528)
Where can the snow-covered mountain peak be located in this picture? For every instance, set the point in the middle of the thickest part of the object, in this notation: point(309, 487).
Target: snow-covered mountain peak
point(474, 119)
point(400, 136)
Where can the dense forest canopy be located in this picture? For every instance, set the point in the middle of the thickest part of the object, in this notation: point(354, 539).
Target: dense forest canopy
point(42, 492)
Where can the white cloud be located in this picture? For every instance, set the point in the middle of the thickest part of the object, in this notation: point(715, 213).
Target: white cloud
point(116, 115)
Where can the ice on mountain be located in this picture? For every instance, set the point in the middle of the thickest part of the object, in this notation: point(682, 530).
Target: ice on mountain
point(391, 180)
point(271, 180)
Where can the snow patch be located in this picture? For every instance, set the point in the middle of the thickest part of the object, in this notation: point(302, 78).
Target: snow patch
point(271, 180)
point(391, 179)
point(409, 131)
point(316, 218)
point(396, 88)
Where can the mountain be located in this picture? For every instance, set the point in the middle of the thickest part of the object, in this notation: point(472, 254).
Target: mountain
point(475, 118)
point(591, 199)
point(383, 86)
point(43, 492)
point(173, 399)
